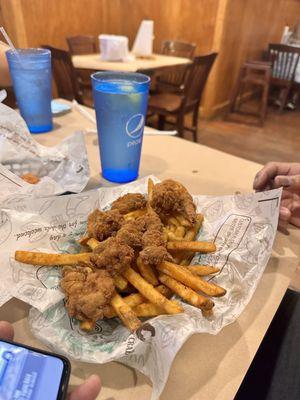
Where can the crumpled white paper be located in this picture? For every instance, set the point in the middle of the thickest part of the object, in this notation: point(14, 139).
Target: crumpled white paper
point(63, 168)
point(242, 226)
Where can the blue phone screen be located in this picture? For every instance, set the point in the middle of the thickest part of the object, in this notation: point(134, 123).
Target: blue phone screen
point(28, 375)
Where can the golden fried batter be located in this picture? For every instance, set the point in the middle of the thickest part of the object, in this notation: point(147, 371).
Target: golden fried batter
point(129, 202)
point(88, 292)
point(131, 234)
point(155, 255)
point(102, 225)
point(171, 197)
point(153, 238)
point(113, 256)
point(153, 241)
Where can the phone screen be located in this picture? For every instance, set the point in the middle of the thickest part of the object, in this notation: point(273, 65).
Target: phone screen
point(28, 375)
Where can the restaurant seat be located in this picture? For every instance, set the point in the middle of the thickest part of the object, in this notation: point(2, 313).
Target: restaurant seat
point(82, 44)
point(170, 101)
point(257, 74)
point(178, 49)
point(285, 60)
point(67, 82)
point(173, 80)
point(178, 105)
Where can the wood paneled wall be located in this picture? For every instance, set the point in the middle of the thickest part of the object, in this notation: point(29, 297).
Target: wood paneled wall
point(237, 29)
point(187, 20)
point(248, 27)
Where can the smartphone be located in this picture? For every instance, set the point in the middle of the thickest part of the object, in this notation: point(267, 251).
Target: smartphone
point(27, 373)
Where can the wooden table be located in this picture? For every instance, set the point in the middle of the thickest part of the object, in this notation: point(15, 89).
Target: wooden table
point(207, 367)
point(94, 62)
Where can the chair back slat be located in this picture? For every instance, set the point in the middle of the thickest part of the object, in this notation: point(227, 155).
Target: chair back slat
point(285, 60)
point(178, 49)
point(196, 79)
point(64, 74)
point(175, 77)
point(82, 44)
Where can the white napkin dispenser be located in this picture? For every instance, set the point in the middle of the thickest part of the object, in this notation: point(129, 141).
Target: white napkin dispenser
point(113, 47)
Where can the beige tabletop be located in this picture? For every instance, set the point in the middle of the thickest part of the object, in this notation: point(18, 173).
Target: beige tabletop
point(207, 367)
point(93, 61)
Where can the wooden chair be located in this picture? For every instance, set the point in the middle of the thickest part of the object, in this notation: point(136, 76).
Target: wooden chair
point(177, 105)
point(65, 77)
point(173, 81)
point(82, 44)
point(284, 60)
point(178, 49)
point(78, 45)
point(254, 73)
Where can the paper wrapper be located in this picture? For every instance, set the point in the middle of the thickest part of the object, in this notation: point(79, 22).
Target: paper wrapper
point(63, 168)
point(242, 226)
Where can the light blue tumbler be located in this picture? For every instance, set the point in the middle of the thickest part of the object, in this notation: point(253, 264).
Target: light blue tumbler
point(30, 71)
point(121, 105)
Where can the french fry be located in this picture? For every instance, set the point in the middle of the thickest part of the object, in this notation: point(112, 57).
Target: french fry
point(202, 270)
point(87, 326)
point(135, 214)
point(148, 291)
point(164, 291)
point(200, 219)
point(187, 278)
point(201, 247)
point(83, 241)
point(187, 260)
point(187, 294)
point(174, 221)
point(120, 282)
point(35, 258)
point(150, 191)
point(125, 313)
point(172, 228)
point(93, 243)
point(147, 272)
point(146, 310)
point(191, 234)
point(180, 231)
point(135, 299)
point(207, 313)
point(132, 301)
point(183, 221)
point(172, 236)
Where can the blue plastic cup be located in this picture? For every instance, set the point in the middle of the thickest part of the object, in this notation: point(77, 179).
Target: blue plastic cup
point(121, 105)
point(30, 71)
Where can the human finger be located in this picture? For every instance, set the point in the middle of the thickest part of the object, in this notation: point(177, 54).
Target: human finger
point(88, 390)
point(284, 214)
point(291, 183)
point(295, 220)
point(265, 176)
point(6, 330)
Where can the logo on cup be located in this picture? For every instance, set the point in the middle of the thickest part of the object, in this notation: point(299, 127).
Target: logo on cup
point(134, 126)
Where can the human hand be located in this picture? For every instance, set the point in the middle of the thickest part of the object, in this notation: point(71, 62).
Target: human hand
point(88, 390)
point(286, 175)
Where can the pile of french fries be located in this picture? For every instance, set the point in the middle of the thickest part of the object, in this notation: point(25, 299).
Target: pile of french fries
point(154, 285)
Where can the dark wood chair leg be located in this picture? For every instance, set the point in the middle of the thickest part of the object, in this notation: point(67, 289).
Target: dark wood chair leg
point(195, 124)
point(283, 99)
point(161, 122)
point(264, 103)
point(180, 125)
point(235, 93)
point(239, 100)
